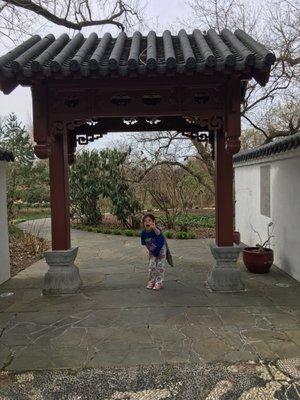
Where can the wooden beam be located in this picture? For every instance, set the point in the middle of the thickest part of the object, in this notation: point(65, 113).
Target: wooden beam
point(40, 123)
point(104, 125)
point(8, 86)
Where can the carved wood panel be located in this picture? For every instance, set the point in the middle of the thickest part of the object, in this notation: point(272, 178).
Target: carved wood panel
point(69, 102)
point(202, 98)
point(146, 102)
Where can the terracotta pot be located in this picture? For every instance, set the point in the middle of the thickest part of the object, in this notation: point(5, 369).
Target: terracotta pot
point(258, 262)
point(236, 237)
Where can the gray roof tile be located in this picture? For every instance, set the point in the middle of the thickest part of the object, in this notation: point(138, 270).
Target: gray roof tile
point(280, 146)
point(196, 52)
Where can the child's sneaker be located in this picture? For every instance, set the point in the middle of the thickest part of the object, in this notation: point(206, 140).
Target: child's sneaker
point(150, 285)
point(158, 286)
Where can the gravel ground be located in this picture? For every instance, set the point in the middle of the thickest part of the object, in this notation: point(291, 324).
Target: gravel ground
point(215, 381)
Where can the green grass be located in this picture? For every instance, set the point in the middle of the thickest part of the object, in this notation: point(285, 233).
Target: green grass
point(28, 214)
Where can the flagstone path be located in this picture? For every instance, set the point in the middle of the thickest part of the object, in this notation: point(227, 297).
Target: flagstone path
point(115, 322)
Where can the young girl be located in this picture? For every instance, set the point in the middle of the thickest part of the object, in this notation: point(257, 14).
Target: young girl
point(153, 238)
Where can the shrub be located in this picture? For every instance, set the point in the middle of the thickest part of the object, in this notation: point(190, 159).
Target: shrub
point(116, 232)
point(185, 235)
point(116, 187)
point(86, 187)
point(181, 235)
point(128, 232)
point(184, 221)
point(191, 235)
point(169, 234)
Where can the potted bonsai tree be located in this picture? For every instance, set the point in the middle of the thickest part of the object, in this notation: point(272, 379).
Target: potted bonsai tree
point(259, 259)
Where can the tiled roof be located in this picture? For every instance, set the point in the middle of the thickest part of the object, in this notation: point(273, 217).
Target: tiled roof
point(269, 149)
point(6, 155)
point(137, 54)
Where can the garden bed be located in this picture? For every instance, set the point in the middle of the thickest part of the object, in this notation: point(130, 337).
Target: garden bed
point(191, 226)
point(24, 249)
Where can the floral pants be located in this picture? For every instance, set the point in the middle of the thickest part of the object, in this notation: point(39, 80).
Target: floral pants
point(156, 266)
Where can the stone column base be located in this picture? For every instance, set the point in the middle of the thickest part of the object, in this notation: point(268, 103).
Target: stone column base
point(225, 276)
point(63, 276)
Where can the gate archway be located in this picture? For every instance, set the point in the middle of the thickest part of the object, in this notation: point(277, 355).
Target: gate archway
point(83, 88)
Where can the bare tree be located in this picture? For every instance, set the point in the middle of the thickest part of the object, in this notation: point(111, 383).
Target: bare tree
point(18, 18)
point(275, 23)
point(283, 120)
point(167, 186)
point(171, 148)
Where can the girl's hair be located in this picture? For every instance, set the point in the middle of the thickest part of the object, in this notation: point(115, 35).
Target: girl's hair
point(151, 216)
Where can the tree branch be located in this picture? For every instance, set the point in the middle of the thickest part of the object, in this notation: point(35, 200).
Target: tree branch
point(258, 128)
point(43, 12)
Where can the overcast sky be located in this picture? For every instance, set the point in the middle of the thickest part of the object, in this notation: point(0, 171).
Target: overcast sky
point(163, 13)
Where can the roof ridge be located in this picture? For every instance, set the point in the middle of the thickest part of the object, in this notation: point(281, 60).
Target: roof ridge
point(278, 146)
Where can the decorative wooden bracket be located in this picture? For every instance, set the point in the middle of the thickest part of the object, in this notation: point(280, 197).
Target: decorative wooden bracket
point(85, 138)
point(199, 136)
point(211, 122)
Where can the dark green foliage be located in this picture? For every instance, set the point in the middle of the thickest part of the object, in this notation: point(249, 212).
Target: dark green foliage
point(37, 191)
point(86, 187)
point(15, 138)
point(98, 175)
point(116, 187)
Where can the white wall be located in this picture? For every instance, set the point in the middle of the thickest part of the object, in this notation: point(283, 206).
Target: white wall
point(285, 207)
point(4, 252)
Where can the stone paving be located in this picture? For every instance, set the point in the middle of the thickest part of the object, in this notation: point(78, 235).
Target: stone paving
point(115, 321)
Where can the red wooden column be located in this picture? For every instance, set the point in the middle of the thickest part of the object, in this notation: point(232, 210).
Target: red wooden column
point(227, 143)
point(223, 192)
point(59, 193)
